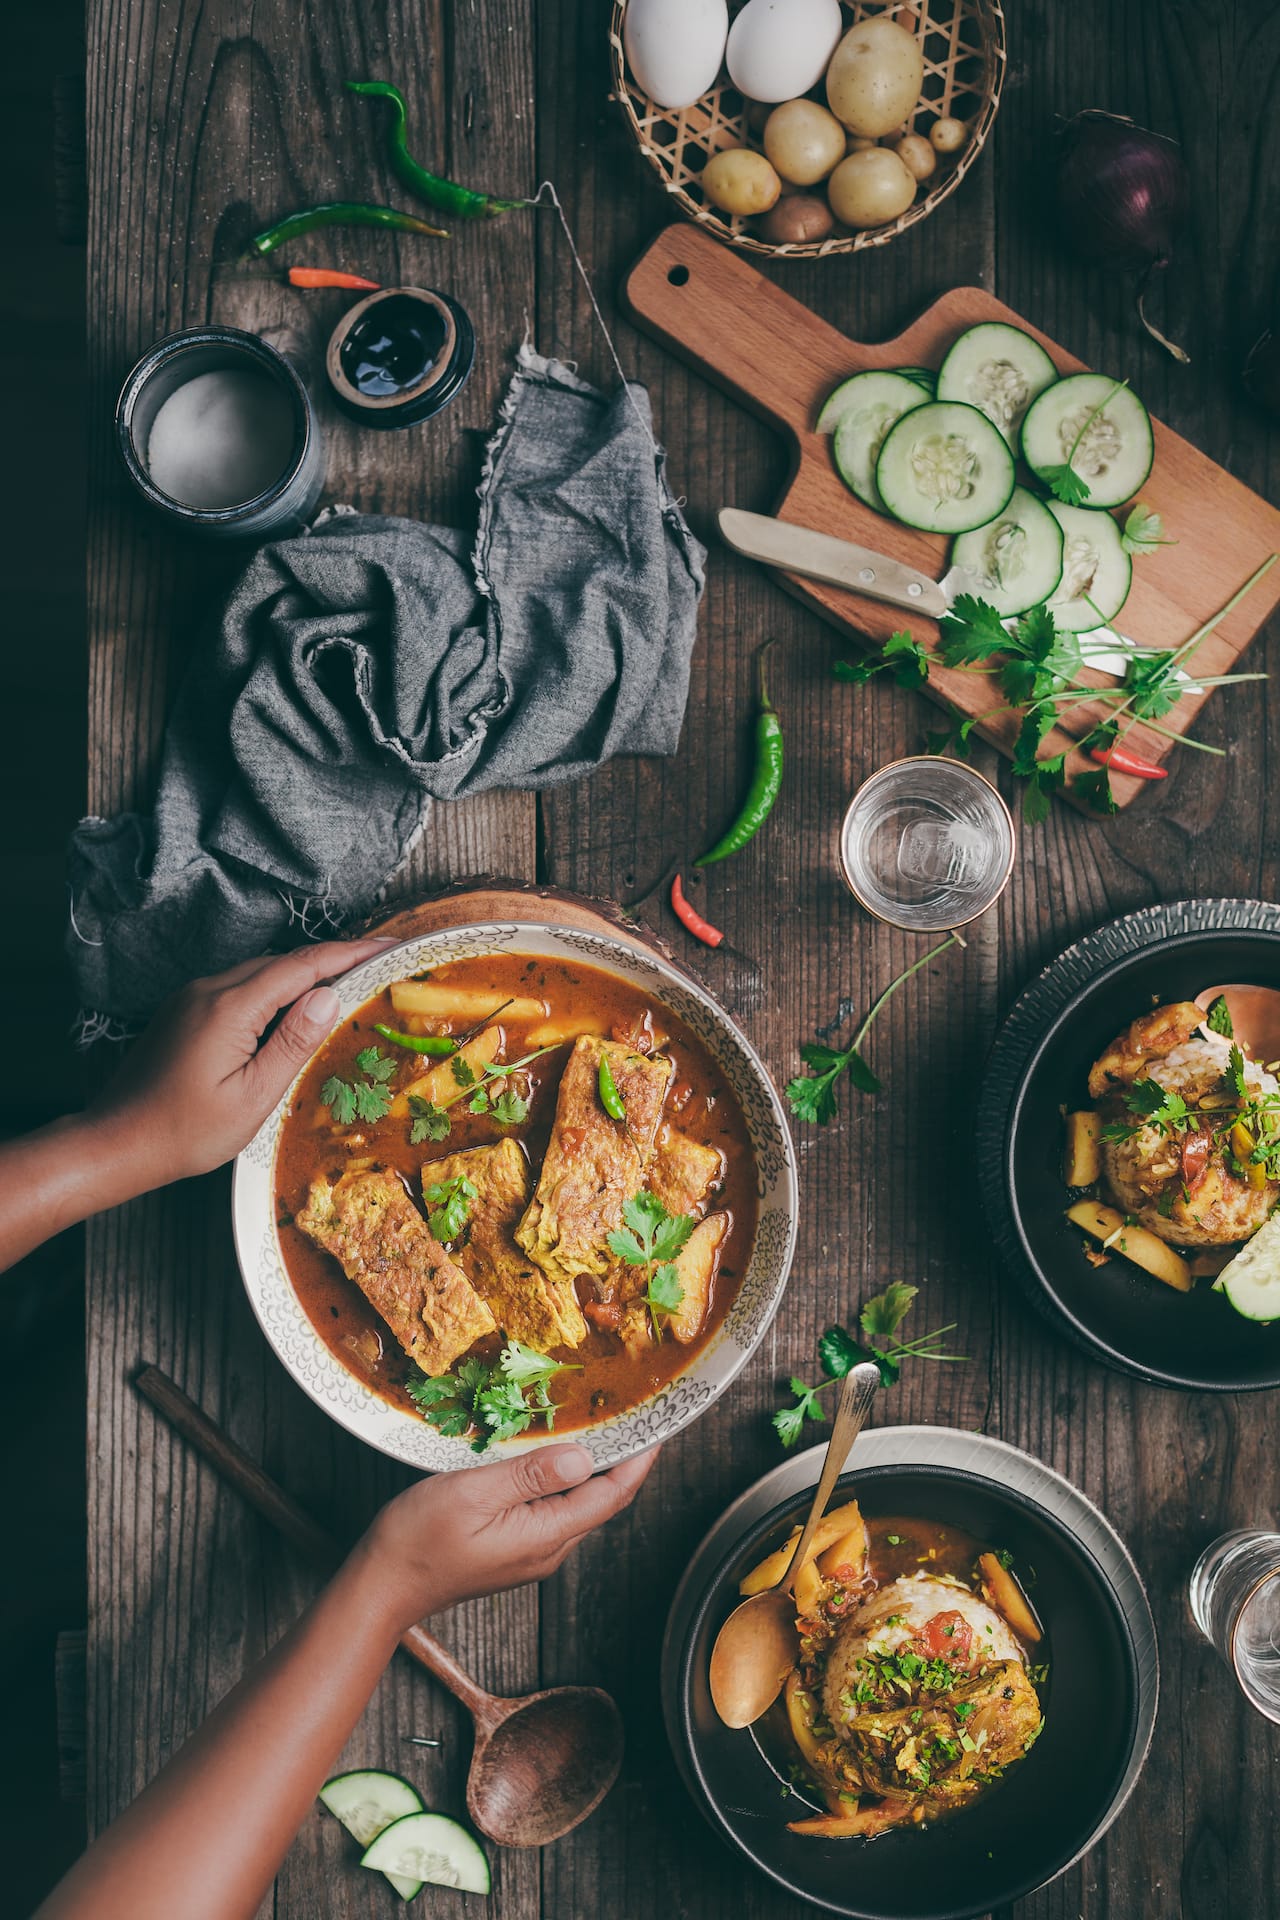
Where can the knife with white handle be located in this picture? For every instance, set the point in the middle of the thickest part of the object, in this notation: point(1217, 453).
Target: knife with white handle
point(839, 563)
point(820, 556)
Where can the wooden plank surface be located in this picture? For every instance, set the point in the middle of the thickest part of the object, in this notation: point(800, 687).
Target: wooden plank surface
point(206, 121)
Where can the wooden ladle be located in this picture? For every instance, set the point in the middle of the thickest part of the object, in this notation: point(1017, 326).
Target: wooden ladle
point(1255, 1017)
point(757, 1646)
point(541, 1762)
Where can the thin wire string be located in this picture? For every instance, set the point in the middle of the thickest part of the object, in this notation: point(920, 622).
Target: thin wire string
point(547, 188)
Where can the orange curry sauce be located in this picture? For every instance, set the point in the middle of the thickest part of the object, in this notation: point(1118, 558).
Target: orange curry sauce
point(699, 1103)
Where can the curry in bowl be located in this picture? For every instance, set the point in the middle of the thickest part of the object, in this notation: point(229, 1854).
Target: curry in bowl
point(514, 1193)
point(919, 1678)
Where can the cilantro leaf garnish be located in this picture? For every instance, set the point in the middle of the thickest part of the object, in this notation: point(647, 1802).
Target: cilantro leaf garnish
point(368, 1098)
point(502, 1398)
point(839, 1351)
point(462, 1070)
point(1144, 530)
point(428, 1121)
point(812, 1096)
point(510, 1108)
point(1235, 1071)
point(1218, 1018)
point(1065, 484)
point(449, 1204)
point(340, 1099)
point(1155, 1107)
point(905, 659)
point(651, 1237)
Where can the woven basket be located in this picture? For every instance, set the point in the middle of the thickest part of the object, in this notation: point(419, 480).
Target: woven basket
point(963, 44)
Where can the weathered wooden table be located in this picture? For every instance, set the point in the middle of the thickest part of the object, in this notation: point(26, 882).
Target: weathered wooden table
point(206, 121)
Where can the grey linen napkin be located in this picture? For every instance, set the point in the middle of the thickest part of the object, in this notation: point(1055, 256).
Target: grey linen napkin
point(376, 663)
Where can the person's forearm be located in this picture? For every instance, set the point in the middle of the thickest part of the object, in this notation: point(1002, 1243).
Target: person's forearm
point(58, 1176)
point(207, 1837)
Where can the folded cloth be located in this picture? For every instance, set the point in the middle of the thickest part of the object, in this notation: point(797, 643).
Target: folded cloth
point(374, 664)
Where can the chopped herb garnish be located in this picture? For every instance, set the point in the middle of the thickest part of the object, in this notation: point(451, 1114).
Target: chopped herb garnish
point(449, 1205)
point(368, 1098)
point(427, 1122)
point(501, 1399)
point(1218, 1018)
point(652, 1238)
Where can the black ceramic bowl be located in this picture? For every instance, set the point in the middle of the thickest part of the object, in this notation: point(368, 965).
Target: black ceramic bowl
point(1045, 1812)
point(1039, 1064)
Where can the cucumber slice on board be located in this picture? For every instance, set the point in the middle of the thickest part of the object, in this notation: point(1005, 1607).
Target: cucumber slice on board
point(923, 376)
point(944, 467)
point(1096, 570)
point(860, 412)
point(1019, 552)
point(1251, 1281)
point(1107, 426)
point(998, 369)
point(429, 1847)
point(367, 1803)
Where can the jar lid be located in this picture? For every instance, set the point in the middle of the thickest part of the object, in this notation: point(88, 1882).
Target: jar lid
point(400, 355)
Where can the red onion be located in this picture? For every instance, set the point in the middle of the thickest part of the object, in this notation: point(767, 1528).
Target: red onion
point(1122, 193)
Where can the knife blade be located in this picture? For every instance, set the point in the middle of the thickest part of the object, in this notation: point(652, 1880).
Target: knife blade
point(841, 563)
point(820, 556)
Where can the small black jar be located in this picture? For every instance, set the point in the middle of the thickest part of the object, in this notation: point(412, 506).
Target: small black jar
point(400, 356)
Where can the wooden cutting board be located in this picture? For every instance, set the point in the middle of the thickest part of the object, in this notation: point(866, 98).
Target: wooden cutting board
point(781, 360)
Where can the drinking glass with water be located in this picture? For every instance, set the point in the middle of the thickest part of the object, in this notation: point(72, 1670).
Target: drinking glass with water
point(1235, 1602)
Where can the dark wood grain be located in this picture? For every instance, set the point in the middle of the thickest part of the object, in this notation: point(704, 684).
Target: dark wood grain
point(202, 122)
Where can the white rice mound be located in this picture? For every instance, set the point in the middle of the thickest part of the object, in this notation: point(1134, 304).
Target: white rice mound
point(1139, 1170)
point(910, 1601)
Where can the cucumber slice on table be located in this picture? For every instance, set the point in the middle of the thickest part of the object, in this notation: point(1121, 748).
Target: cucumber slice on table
point(1019, 552)
point(1251, 1281)
point(367, 1803)
point(860, 412)
point(1108, 427)
point(429, 1847)
point(1096, 570)
point(944, 467)
point(998, 369)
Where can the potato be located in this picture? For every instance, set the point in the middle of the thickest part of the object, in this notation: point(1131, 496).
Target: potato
point(850, 1550)
point(767, 1572)
point(1135, 1243)
point(808, 1589)
point(1007, 1597)
point(948, 135)
point(739, 181)
point(461, 1006)
point(874, 79)
point(803, 141)
point(799, 219)
point(1082, 1159)
point(868, 189)
point(797, 1701)
point(441, 1086)
point(916, 155)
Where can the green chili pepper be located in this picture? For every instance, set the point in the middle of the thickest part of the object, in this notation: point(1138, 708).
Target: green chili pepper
point(461, 202)
point(437, 1043)
point(610, 1098)
point(340, 213)
point(766, 781)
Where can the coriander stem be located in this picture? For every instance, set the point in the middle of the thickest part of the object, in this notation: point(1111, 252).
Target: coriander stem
point(1202, 633)
point(950, 941)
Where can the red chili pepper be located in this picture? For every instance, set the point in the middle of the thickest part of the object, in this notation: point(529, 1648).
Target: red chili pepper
point(689, 917)
point(1120, 760)
point(329, 277)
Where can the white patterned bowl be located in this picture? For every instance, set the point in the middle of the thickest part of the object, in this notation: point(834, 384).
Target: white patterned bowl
point(404, 1435)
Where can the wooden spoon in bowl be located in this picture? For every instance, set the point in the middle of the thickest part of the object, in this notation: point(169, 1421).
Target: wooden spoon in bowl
point(541, 1762)
point(757, 1646)
point(1255, 1017)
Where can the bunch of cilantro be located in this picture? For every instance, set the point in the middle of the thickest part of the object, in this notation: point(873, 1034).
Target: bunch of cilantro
point(839, 1352)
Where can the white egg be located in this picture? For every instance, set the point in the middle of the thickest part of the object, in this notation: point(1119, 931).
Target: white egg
point(778, 49)
point(674, 47)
